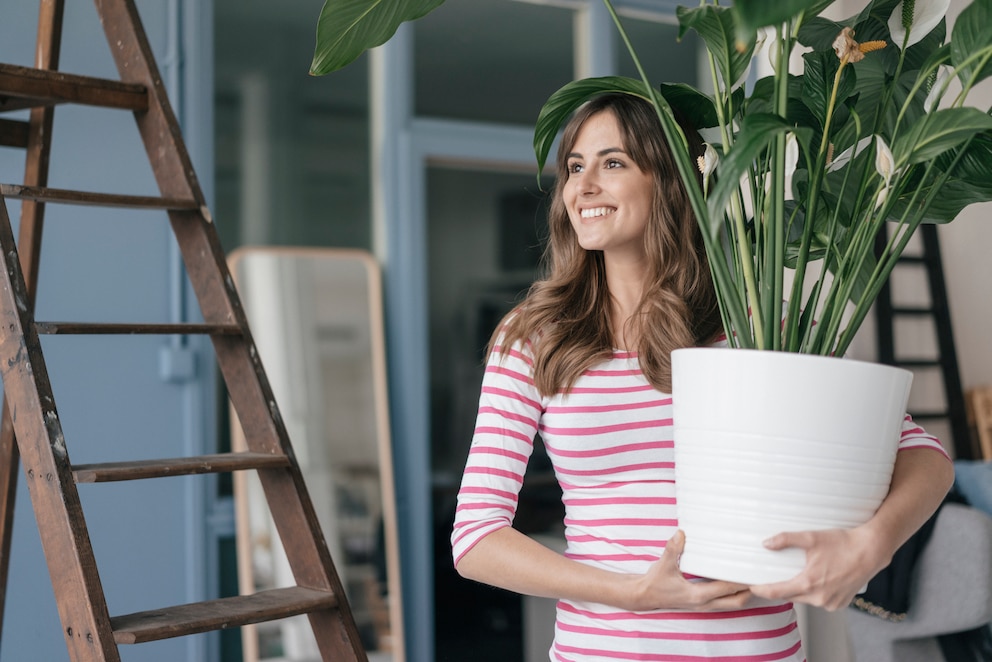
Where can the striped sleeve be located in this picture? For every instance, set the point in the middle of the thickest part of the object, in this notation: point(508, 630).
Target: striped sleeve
point(914, 436)
point(509, 410)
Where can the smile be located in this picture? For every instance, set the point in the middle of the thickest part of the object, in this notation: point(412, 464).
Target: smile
point(597, 211)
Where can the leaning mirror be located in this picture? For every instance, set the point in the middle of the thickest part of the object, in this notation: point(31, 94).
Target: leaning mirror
point(316, 318)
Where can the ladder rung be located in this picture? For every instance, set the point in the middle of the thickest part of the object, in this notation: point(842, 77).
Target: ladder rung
point(182, 466)
point(917, 363)
point(24, 87)
point(913, 310)
point(13, 133)
point(67, 197)
point(929, 415)
point(106, 328)
point(219, 614)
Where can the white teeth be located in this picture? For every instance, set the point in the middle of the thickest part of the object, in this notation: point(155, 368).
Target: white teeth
point(598, 211)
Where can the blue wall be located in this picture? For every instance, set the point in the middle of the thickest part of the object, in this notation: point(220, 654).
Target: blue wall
point(150, 537)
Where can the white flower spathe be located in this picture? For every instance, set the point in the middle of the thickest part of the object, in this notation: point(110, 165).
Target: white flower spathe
point(885, 166)
point(926, 15)
point(844, 157)
point(937, 89)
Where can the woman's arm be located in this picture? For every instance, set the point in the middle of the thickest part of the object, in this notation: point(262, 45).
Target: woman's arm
point(488, 549)
point(508, 559)
point(840, 562)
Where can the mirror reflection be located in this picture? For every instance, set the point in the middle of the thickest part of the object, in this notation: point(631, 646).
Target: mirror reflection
point(315, 315)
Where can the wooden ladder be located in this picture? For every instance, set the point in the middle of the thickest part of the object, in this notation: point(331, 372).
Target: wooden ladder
point(31, 428)
point(888, 314)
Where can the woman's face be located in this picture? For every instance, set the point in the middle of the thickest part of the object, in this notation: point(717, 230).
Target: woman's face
point(608, 197)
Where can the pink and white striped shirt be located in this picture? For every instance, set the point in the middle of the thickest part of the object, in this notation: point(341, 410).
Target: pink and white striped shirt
point(610, 442)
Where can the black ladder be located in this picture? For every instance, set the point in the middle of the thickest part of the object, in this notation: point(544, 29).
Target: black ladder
point(32, 432)
point(888, 315)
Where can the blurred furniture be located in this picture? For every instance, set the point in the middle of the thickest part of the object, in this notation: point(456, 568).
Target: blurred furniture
point(978, 402)
point(951, 592)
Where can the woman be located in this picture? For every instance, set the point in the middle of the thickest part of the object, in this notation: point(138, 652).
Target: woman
point(584, 362)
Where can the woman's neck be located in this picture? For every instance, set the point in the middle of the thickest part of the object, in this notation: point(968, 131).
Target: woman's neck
point(626, 288)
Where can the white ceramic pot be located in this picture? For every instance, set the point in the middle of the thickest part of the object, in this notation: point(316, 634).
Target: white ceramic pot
point(767, 442)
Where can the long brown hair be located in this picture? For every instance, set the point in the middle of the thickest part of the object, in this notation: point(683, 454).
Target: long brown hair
point(566, 314)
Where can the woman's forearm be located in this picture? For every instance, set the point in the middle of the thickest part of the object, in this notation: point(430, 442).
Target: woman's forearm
point(920, 482)
point(508, 559)
point(511, 560)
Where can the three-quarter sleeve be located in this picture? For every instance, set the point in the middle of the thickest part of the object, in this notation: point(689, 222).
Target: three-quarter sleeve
point(509, 410)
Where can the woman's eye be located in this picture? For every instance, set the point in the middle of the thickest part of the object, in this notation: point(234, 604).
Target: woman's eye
point(574, 167)
point(614, 163)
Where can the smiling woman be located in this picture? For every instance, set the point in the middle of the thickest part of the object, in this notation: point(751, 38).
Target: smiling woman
point(607, 195)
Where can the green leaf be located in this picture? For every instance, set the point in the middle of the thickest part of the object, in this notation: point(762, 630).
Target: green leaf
point(818, 81)
point(754, 14)
point(948, 201)
point(717, 28)
point(938, 132)
point(969, 183)
point(972, 33)
point(975, 164)
point(347, 28)
point(693, 103)
point(819, 33)
point(566, 99)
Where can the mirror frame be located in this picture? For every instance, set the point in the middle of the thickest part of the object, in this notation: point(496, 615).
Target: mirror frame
point(246, 578)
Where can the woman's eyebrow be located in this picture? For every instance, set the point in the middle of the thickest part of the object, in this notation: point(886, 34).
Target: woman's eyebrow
point(602, 152)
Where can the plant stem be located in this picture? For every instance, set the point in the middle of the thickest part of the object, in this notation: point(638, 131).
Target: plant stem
point(730, 305)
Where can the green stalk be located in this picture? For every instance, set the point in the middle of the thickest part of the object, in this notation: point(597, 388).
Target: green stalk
point(775, 229)
point(731, 306)
point(882, 271)
point(811, 204)
point(812, 305)
point(743, 257)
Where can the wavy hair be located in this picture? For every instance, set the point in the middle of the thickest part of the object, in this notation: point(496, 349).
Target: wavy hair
point(565, 315)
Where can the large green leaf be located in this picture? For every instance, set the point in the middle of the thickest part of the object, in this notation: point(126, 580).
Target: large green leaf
point(566, 99)
point(972, 33)
point(818, 81)
point(347, 28)
point(819, 33)
point(754, 14)
point(697, 107)
point(975, 164)
point(948, 200)
point(969, 182)
point(716, 26)
point(938, 132)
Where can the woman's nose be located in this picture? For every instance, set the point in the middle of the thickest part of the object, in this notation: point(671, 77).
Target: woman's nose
point(589, 182)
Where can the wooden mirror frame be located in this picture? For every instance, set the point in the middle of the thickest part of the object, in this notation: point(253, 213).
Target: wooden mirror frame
point(247, 580)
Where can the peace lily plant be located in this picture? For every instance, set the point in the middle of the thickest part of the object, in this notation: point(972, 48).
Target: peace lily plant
point(875, 135)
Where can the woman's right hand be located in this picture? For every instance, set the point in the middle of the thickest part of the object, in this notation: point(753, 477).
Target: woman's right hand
point(664, 586)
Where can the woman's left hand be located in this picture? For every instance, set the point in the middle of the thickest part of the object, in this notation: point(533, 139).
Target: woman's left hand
point(839, 563)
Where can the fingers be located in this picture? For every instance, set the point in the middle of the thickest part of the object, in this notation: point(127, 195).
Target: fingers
point(802, 540)
point(776, 591)
point(675, 545)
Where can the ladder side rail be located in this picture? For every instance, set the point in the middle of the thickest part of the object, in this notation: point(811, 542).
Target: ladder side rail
point(884, 333)
point(950, 371)
point(69, 555)
point(336, 632)
point(39, 138)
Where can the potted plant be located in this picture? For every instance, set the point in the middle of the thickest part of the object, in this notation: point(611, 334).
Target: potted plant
point(808, 164)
